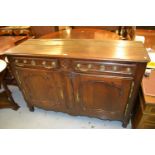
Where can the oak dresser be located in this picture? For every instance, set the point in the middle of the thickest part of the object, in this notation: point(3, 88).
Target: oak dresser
point(97, 78)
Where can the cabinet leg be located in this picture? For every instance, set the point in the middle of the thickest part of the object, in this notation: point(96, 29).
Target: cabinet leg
point(15, 107)
point(124, 125)
point(31, 108)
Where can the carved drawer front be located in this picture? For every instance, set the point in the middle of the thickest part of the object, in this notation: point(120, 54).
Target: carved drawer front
point(101, 67)
point(36, 62)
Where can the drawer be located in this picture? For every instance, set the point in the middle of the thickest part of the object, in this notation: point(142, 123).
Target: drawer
point(104, 67)
point(36, 62)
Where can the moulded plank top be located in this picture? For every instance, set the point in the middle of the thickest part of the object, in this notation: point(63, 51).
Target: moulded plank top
point(116, 50)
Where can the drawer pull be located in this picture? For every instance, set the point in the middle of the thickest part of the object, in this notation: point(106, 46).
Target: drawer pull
point(102, 68)
point(83, 70)
point(78, 65)
point(16, 61)
point(128, 69)
point(48, 67)
point(53, 64)
point(20, 64)
point(44, 63)
point(33, 62)
point(24, 61)
point(114, 68)
point(89, 66)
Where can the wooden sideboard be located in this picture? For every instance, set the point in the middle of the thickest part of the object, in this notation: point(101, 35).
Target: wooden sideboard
point(97, 78)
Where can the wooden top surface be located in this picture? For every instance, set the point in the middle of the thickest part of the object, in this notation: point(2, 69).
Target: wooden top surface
point(82, 49)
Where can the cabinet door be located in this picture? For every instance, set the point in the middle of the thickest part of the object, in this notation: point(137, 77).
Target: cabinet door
point(102, 96)
point(41, 88)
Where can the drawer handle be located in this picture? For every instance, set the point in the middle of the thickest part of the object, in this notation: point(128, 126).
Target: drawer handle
point(16, 61)
point(44, 63)
point(102, 68)
point(89, 66)
point(20, 65)
point(24, 61)
point(128, 69)
point(114, 68)
point(83, 70)
point(53, 64)
point(48, 67)
point(33, 62)
point(78, 65)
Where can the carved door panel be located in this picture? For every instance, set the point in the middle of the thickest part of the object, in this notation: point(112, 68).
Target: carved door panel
point(42, 88)
point(102, 96)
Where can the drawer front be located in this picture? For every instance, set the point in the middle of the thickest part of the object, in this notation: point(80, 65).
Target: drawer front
point(104, 67)
point(36, 62)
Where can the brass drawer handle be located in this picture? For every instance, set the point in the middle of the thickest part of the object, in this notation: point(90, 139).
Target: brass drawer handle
point(83, 70)
point(19, 64)
point(115, 68)
point(44, 63)
point(16, 61)
point(89, 66)
point(53, 64)
point(33, 62)
point(128, 69)
point(78, 65)
point(48, 67)
point(102, 68)
point(24, 61)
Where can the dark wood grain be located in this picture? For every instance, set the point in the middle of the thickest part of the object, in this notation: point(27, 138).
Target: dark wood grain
point(83, 49)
